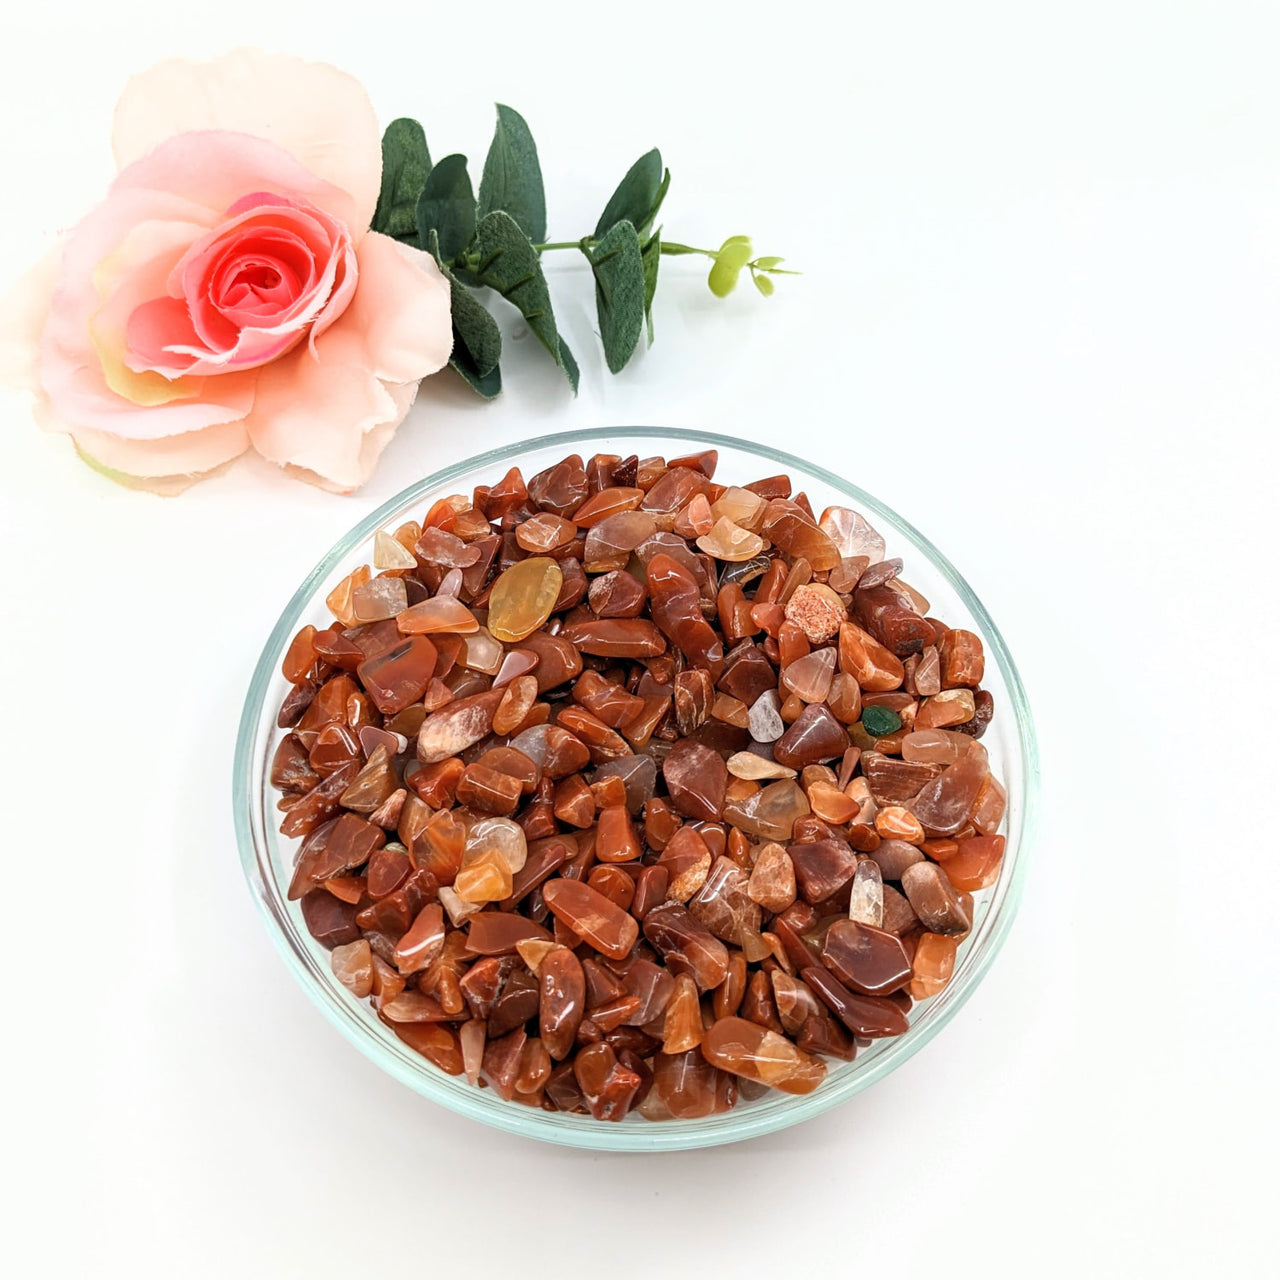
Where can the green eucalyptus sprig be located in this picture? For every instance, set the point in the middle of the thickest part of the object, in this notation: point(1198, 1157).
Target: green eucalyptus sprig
point(495, 239)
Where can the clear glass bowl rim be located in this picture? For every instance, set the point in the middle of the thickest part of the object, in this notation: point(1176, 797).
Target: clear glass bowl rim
point(741, 1123)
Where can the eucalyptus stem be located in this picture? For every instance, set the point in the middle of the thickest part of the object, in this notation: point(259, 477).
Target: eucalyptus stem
point(495, 238)
point(669, 247)
point(675, 250)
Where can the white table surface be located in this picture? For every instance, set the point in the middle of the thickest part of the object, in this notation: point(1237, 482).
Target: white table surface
point(1039, 317)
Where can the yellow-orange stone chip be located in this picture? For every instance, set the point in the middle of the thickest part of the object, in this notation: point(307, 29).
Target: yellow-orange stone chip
point(523, 597)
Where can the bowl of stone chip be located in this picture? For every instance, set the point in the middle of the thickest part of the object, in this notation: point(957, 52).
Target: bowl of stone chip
point(268, 857)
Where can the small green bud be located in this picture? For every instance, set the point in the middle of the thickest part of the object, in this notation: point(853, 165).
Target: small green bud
point(730, 258)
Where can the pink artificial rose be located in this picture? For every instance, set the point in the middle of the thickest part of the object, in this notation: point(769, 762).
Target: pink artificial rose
point(228, 293)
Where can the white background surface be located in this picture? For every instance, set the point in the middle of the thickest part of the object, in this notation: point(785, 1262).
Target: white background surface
point(1039, 317)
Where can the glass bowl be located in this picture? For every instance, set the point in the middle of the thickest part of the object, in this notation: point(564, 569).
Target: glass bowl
point(268, 857)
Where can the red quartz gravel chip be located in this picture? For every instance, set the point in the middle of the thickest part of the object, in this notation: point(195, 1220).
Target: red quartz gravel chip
point(638, 793)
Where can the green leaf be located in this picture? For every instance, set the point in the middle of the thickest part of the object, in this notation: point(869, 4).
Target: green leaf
point(650, 256)
point(639, 195)
point(768, 264)
point(568, 364)
point(763, 283)
point(619, 272)
point(474, 327)
point(447, 207)
point(477, 340)
point(663, 187)
point(406, 163)
point(512, 178)
point(730, 258)
point(504, 258)
point(485, 384)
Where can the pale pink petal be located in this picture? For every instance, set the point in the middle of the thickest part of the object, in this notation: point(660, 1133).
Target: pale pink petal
point(163, 466)
point(22, 317)
point(70, 366)
point(217, 168)
point(138, 269)
point(319, 114)
point(132, 277)
point(346, 273)
point(372, 442)
point(315, 414)
point(401, 311)
point(151, 326)
point(167, 465)
point(160, 339)
point(402, 394)
point(72, 376)
point(149, 332)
